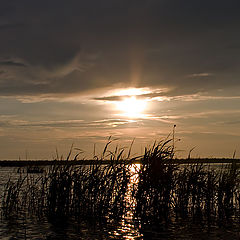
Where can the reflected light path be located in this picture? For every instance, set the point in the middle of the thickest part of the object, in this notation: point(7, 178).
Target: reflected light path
point(127, 229)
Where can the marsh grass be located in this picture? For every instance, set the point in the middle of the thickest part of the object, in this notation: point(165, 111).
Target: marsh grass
point(153, 192)
point(164, 191)
point(167, 192)
point(63, 191)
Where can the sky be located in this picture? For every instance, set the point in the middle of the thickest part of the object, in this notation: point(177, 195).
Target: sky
point(77, 72)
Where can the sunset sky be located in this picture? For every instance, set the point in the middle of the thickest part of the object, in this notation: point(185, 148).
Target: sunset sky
point(81, 71)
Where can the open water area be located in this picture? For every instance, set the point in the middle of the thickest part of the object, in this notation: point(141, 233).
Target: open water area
point(30, 227)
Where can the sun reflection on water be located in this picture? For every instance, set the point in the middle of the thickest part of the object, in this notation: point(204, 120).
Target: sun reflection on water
point(127, 229)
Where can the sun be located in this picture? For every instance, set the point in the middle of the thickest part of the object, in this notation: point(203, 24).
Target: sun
point(132, 107)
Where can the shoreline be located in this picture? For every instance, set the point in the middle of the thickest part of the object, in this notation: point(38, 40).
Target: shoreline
point(22, 163)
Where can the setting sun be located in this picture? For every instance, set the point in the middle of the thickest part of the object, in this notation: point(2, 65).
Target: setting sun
point(132, 107)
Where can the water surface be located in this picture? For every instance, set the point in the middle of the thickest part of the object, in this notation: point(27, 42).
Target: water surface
point(26, 227)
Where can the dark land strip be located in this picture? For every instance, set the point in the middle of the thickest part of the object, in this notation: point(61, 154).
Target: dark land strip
point(21, 163)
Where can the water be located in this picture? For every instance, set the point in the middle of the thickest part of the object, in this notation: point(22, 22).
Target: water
point(26, 227)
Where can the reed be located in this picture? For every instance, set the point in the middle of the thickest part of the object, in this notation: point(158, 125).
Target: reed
point(166, 192)
point(163, 191)
point(96, 191)
point(154, 190)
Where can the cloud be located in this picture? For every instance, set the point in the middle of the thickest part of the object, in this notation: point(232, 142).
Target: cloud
point(140, 96)
point(12, 64)
point(10, 26)
point(237, 122)
point(175, 95)
point(139, 93)
point(75, 46)
point(15, 122)
point(200, 75)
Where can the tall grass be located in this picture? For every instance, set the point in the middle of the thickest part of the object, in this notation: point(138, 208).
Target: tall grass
point(96, 191)
point(167, 192)
point(162, 193)
point(154, 190)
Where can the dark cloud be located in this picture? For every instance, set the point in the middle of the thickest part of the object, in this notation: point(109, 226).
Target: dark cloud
point(110, 98)
point(141, 96)
point(8, 26)
point(12, 63)
point(74, 46)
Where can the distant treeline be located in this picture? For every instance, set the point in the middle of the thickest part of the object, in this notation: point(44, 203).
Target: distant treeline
point(22, 163)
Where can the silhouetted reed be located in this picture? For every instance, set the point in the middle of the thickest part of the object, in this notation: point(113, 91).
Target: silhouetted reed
point(164, 191)
point(154, 190)
point(167, 191)
point(86, 191)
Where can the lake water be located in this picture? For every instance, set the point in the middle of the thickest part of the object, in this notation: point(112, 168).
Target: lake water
point(27, 227)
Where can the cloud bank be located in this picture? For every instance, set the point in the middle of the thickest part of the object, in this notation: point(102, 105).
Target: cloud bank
point(73, 47)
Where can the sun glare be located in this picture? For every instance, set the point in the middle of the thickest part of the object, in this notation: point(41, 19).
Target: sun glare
point(132, 107)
